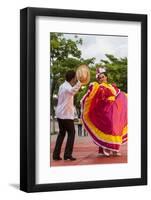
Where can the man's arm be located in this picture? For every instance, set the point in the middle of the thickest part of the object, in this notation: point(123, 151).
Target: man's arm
point(73, 90)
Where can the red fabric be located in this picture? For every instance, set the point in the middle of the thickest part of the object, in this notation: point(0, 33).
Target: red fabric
point(109, 116)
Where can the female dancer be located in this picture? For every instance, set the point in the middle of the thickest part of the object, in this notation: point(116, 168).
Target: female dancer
point(104, 114)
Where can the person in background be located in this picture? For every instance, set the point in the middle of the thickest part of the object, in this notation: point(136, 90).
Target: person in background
point(65, 116)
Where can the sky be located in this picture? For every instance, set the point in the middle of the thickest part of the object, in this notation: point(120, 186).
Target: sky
point(99, 45)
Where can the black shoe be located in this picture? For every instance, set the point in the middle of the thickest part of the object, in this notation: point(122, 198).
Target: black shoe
point(69, 158)
point(57, 158)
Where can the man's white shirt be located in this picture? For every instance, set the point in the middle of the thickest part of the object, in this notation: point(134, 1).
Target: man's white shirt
point(65, 106)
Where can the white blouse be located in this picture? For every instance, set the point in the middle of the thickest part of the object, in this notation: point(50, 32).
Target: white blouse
point(65, 106)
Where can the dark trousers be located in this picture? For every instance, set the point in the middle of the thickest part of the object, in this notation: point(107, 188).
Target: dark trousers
point(65, 125)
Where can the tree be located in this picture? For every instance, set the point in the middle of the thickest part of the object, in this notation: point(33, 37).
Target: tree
point(61, 48)
point(64, 55)
point(117, 70)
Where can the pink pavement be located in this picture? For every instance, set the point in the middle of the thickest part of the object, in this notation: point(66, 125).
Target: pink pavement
point(86, 153)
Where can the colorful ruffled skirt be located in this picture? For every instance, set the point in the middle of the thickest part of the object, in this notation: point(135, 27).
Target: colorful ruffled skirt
point(105, 119)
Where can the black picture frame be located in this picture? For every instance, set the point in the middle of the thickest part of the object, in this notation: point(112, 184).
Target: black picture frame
point(28, 99)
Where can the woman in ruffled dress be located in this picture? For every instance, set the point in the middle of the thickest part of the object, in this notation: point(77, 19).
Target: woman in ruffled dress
point(104, 114)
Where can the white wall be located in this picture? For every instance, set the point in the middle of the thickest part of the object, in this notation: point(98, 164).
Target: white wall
point(9, 98)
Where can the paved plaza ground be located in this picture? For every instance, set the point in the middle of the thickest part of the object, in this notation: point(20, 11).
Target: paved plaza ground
point(86, 153)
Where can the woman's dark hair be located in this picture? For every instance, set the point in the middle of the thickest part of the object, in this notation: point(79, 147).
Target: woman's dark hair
point(70, 75)
point(105, 73)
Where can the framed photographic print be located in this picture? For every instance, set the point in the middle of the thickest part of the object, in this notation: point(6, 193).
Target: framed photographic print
point(83, 99)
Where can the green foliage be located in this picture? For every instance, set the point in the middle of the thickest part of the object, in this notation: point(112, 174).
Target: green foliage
point(79, 96)
point(117, 70)
point(65, 56)
point(62, 48)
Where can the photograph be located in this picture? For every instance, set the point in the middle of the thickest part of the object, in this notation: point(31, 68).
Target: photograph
point(89, 95)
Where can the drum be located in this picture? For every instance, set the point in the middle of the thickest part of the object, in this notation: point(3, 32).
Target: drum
point(83, 74)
